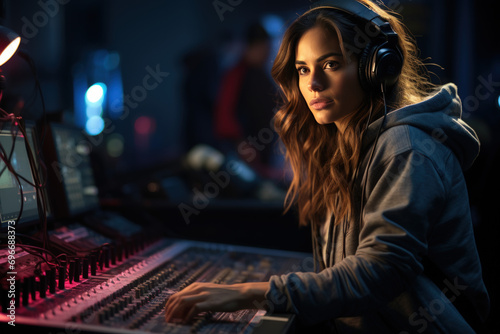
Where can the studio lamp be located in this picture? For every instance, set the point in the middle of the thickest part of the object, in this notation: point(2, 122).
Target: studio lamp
point(9, 42)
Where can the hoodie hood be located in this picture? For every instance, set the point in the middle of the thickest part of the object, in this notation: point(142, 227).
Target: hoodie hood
point(440, 117)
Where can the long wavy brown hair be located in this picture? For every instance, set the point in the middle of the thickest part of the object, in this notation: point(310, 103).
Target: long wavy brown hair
point(323, 162)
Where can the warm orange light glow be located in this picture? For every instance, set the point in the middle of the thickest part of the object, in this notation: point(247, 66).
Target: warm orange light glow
point(9, 50)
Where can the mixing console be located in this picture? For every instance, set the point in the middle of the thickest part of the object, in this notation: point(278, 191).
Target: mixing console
point(129, 295)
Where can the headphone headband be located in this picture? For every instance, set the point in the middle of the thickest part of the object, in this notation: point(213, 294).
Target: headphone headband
point(380, 61)
point(351, 7)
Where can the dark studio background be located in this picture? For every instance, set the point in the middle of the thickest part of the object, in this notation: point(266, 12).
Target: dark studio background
point(174, 36)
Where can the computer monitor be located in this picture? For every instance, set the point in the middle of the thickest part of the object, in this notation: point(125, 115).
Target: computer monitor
point(71, 175)
point(12, 191)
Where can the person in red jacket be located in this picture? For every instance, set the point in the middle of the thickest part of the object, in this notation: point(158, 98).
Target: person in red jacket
point(246, 100)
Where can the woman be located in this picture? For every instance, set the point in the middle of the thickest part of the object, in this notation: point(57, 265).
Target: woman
point(383, 190)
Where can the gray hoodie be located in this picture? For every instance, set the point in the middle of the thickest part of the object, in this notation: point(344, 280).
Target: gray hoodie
point(398, 268)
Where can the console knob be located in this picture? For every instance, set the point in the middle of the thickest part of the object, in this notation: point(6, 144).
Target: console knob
point(78, 269)
point(43, 286)
point(85, 267)
point(32, 280)
point(26, 291)
point(71, 273)
point(62, 276)
point(93, 264)
point(52, 280)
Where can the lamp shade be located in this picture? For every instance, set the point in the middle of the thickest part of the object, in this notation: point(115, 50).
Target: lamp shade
point(9, 42)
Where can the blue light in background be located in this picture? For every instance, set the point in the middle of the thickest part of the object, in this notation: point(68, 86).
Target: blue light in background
point(80, 86)
point(94, 125)
point(273, 24)
point(94, 100)
point(98, 90)
point(95, 94)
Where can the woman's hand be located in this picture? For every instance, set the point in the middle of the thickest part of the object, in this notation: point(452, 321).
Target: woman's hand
point(203, 297)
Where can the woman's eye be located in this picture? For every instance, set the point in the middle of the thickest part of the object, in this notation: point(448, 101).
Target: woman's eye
point(302, 70)
point(331, 65)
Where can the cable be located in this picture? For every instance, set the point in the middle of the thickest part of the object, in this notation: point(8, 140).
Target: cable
point(36, 169)
point(41, 200)
point(15, 129)
point(32, 66)
point(8, 165)
point(16, 125)
point(35, 251)
point(15, 136)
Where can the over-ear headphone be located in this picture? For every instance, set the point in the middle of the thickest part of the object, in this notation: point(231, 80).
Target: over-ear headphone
point(381, 60)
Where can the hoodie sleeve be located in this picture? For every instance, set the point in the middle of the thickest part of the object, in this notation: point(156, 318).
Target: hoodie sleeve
point(405, 194)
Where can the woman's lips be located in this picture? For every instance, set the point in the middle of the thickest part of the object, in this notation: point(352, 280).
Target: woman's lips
point(320, 103)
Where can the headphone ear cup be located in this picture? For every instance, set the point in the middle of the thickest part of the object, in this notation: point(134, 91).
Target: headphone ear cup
point(387, 65)
point(379, 64)
point(364, 67)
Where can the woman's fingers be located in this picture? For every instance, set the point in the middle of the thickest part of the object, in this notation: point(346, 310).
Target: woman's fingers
point(195, 310)
point(201, 297)
point(197, 298)
point(179, 306)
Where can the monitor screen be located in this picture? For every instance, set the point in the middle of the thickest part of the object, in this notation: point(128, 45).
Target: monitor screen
point(73, 169)
point(12, 191)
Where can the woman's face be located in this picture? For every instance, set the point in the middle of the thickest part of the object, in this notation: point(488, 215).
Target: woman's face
point(329, 84)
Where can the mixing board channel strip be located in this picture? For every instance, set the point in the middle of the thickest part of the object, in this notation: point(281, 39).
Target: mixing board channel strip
point(133, 299)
